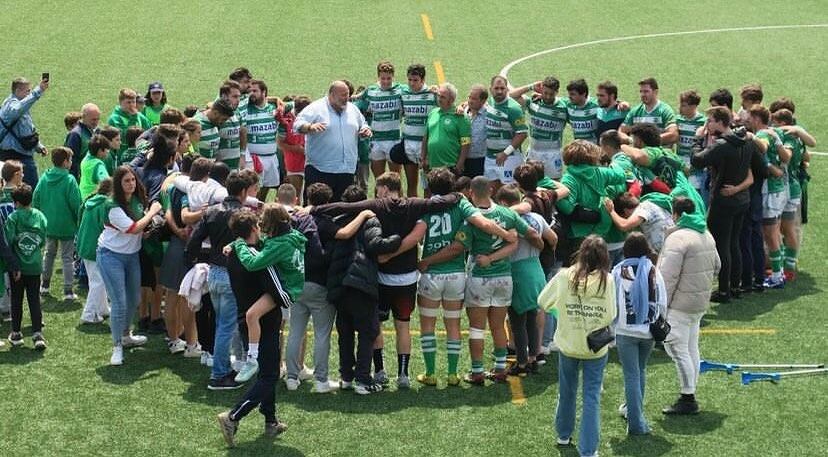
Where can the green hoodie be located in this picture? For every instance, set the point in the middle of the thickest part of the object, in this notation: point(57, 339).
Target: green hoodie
point(58, 197)
point(284, 252)
point(92, 172)
point(93, 216)
point(122, 121)
point(588, 186)
point(26, 235)
point(694, 221)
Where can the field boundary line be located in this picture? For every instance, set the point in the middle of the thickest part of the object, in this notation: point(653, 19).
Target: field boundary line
point(427, 26)
point(438, 70)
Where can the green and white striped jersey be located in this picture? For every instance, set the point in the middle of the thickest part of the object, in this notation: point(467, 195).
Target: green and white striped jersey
point(503, 121)
point(687, 133)
point(208, 145)
point(416, 106)
point(661, 115)
point(583, 119)
point(261, 129)
point(229, 144)
point(384, 108)
point(546, 123)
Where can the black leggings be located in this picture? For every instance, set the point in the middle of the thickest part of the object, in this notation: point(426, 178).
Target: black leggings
point(725, 224)
point(263, 392)
point(356, 313)
point(525, 334)
point(31, 285)
point(206, 324)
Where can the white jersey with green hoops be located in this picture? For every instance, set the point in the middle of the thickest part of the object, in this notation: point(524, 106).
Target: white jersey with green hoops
point(416, 106)
point(262, 129)
point(229, 144)
point(546, 123)
point(208, 144)
point(583, 119)
point(384, 108)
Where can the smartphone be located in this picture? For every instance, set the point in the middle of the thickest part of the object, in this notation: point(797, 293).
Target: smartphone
point(44, 76)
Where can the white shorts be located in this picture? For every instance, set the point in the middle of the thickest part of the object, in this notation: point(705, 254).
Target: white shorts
point(792, 205)
point(270, 170)
point(773, 204)
point(488, 292)
point(442, 286)
point(413, 149)
point(504, 174)
point(552, 161)
point(381, 149)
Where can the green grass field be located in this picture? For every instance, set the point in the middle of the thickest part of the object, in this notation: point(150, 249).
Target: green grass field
point(69, 401)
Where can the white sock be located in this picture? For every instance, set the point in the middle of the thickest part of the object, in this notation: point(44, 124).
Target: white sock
point(253, 351)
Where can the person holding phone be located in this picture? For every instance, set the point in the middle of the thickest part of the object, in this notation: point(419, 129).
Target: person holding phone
point(18, 136)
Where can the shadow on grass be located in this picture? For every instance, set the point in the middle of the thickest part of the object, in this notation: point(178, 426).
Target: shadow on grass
point(263, 446)
point(752, 305)
point(93, 329)
point(58, 305)
point(20, 355)
point(567, 451)
point(704, 422)
point(643, 445)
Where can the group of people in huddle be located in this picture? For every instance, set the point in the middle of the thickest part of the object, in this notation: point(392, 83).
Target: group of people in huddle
point(613, 239)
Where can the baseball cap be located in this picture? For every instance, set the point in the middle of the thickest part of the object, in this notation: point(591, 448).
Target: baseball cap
point(155, 86)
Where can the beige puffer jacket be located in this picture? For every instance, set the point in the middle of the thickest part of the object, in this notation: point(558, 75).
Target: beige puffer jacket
point(688, 262)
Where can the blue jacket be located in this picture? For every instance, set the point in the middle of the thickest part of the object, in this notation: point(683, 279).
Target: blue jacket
point(13, 109)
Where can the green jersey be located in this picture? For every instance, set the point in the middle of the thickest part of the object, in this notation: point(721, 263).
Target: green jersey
point(447, 132)
point(687, 133)
point(229, 143)
point(415, 107)
point(546, 123)
point(208, 144)
point(504, 120)
point(261, 129)
point(797, 147)
point(661, 115)
point(663, 164)
point(479, 242)
point(583, 119)
point(441, 231)
point(384, 108)
point(774, 184)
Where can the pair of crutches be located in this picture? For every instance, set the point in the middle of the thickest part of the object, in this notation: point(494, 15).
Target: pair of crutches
point(749, 377)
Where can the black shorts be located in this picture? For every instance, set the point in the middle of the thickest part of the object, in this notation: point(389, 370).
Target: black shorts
point(398, 155)
point(397, 300)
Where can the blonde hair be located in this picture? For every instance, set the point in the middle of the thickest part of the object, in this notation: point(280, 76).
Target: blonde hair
point(274, 218)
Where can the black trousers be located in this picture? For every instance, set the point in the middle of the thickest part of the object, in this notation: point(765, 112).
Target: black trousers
point(356, 313)
point(525, 334)
point(753, 253)
point(263, 392)
point(30, 284)
point(206, 324)
point(474, 167)
point(338, 182)
point(725, 224)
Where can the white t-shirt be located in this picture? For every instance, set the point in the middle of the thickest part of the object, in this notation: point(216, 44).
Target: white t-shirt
point(115, 237)
point(656, 221)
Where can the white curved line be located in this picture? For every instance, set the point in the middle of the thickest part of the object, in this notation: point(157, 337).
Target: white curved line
point(505, 71)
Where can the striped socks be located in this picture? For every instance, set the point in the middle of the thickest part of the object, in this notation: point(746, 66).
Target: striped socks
point(428, 341)
point(453, 351)
point(500, 358)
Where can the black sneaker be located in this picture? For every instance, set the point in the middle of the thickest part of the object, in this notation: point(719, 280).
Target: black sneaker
point(540, 359)
point(720, 297)
point(16, 338)
point(226, 383)
point(758, 288)
point(157, 327)
point(517, 370)
point(144, 324)
point(681, 408)
point(533, 367)
point(39, 341)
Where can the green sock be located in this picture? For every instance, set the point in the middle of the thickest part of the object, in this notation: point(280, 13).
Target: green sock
point(776, 261)
point(500, 358)
point(453, 351)
point(790, 259)
point(477, 366)
point(429, 344)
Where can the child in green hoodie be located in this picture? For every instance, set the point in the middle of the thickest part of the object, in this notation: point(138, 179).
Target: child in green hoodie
point(26, 234)
point(284, 249)
point(93, 168)
point(57, 195)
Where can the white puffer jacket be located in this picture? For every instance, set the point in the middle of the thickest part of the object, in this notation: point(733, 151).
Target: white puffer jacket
point(688, 262)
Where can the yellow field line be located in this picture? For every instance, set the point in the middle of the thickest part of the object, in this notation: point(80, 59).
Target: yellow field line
point(438, 69)
point(516, 387)
point(427, 27)
point(738, 331)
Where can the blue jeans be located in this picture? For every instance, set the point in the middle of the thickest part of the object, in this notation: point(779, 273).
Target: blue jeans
point(568, 371)
point(226, 311)
point(121, 274)
point(549, 328)
point(633, 353)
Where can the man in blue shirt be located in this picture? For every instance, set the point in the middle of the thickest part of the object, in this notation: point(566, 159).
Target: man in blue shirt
point(332, 125)
point(17, 127)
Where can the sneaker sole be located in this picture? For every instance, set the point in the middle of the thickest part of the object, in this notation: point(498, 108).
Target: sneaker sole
point(230, 439)
point(224, 387)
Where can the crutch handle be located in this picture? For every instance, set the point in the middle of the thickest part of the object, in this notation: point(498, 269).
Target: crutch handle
point(705, 366)
point(748, 377)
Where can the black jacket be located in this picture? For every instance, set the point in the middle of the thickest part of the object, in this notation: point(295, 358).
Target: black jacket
point(354, 261)
point(730, 157)
point(216, 226)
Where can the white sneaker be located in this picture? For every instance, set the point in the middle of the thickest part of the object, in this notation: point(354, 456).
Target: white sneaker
point(248, 370)
point(131, 340)
point(204, 356)
point(346, 385)
point(292, 384)
point(95, 320)
point(323, 387)
point(178, 346)
point(306, 374)
point(622, 410)
point(403, 382)
point(193, 351)
point(209, 362)
point(551, 347)
point(44, 291)
point(544, 350)
point(367, 389)
point(117, 356)
point(238, 366)
point(70, 297)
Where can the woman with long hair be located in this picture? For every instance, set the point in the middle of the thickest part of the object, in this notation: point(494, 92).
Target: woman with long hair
point(584, 296)
point(117, 256)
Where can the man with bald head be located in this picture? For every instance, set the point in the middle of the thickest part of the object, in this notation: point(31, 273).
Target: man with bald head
point(332, 125)
point(78, 138)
